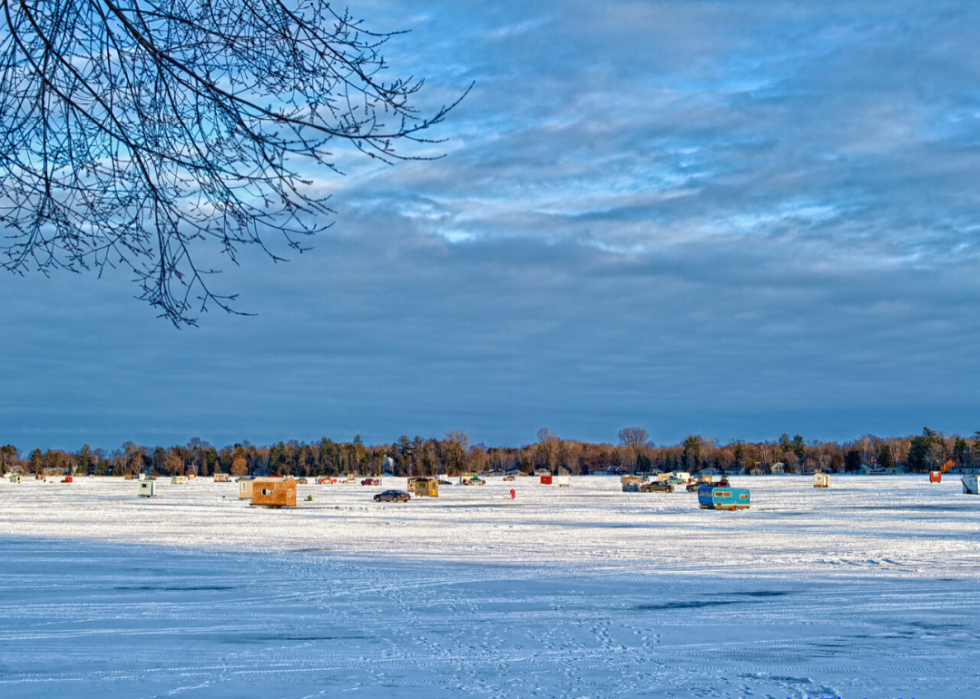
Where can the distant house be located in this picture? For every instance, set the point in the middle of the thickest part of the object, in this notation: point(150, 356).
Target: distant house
point(778, 468)
point(496, 472)
point(514, 472)
point(542, 472)
point(756, 472)
point(710, 472)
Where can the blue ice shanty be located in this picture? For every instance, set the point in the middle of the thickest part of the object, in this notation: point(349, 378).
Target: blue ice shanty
point(724, 498)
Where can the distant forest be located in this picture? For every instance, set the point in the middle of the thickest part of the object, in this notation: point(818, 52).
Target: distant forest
point(454, 454)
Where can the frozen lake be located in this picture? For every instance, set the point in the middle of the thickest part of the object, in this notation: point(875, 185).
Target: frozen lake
point(868, 589)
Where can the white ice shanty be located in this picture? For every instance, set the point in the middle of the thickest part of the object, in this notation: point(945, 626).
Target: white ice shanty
point(970, 484)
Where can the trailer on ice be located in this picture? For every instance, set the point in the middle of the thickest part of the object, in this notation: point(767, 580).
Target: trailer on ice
point(970, 484)
point(726, 498)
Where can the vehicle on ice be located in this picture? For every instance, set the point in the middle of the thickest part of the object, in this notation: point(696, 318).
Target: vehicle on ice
point(653, 487)
point(392, 496)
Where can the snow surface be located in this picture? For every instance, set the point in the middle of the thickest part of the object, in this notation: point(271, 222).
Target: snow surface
point(866, 589)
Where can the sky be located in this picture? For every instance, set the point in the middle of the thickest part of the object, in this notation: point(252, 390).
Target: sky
point(734, 219)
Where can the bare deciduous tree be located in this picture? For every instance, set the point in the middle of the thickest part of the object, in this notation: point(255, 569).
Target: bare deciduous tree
point(172, 464)
point(632, 439)
point(454, 449)
point(132, 132)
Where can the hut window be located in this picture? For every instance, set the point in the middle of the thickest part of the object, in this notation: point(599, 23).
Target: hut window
point(266, 491)
point(743, 497)
point(723, 494)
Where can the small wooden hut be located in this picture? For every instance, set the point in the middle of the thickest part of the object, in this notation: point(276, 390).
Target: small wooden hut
point(147, 489)
point(935, 477)
point(246, 486)
point(277, 492)
point(425, 487)
point(821, 480)
point(15, 478)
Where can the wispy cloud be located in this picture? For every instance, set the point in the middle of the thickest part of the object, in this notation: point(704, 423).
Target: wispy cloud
point(738, 218)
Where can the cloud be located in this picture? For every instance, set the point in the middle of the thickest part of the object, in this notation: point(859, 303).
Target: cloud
point(735, 218)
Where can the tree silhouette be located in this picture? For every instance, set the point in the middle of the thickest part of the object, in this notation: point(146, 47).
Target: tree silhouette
point(130, 133)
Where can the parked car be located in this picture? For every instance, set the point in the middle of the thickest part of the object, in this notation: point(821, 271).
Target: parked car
point(324, 481)
point(392, 496)
point(445, 482)
point(371, 481)
point(693, 487)
point(656, 488)
point(474, 481)
point(510, 478)
point(302, 481)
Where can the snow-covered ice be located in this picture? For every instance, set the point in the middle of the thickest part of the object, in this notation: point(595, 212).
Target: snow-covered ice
point(868, 589)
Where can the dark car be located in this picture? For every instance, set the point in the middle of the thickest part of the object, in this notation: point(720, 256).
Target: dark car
point(371, 481)
point(656, 488)
point(392, 496)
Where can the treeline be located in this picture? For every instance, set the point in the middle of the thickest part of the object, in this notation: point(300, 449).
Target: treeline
point(453, 454)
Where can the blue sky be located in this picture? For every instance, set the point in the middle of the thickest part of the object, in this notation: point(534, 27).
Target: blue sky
point(729, 218)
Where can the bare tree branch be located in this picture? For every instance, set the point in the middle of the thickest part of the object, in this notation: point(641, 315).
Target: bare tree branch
point(133, 131)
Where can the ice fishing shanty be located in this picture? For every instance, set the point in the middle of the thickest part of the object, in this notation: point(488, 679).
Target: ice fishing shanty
point(178, 480)
point(147, 489)
point(246, 486)
point(278, 492)
point(710, 498)
point(935, 477)
point(245, 489)
point(15, 478)
point(821, 480)
point(970, 484)
point(631, 484)
point(426, 487)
